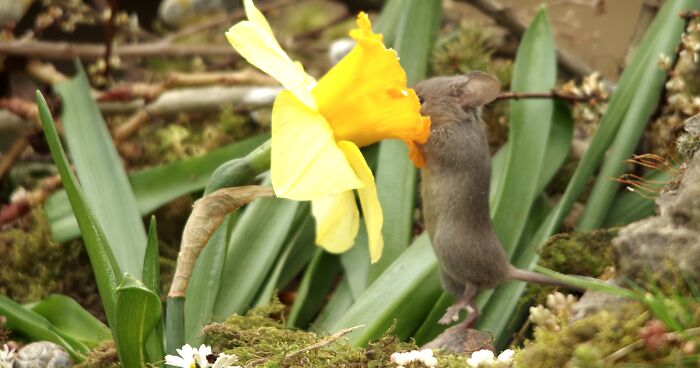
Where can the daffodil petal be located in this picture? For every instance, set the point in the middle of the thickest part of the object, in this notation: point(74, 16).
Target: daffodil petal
point(261, 49)
point(306, 162)
point(337, 221)
point(365, 97)
point(371, 208)
point(256, 16)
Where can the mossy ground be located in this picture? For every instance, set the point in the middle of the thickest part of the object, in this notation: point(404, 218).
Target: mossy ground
point(184, 136)
point(261, 339)
point(32, 266)
point(605, 339)
point(104, 356)
point(582, 253)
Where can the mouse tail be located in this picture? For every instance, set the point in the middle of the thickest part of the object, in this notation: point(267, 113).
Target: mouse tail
point(538, 278)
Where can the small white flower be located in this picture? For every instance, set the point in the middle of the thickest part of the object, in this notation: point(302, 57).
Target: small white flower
point(189, 357)
point(480, 357)
point(675, 84)
point(225, 361)
point(7, 357)
point(424, 356)
point(506, 356)
point(430, 361)
point(201, 355)
point(558, 302)
point(664, 62)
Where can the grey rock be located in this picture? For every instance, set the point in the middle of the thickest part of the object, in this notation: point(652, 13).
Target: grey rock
point(42, 354)
point(661, 251)
point(692, 125)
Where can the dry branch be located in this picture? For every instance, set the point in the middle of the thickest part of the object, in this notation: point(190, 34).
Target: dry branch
point(193, 100)
point(208, 213)
point(92, 51)
point(8, 158)
point(132, 91)
point(554, 94)
point(320, 344)
point(223, 19)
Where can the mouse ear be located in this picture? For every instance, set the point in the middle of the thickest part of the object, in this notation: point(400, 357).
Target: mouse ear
point(478, 89)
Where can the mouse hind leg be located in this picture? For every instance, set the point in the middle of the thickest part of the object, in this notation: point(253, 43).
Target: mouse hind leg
point(465, 294)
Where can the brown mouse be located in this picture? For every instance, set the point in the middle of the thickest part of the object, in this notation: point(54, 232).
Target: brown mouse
point(455, 191)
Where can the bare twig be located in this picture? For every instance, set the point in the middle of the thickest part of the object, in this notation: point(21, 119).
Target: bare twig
point(21, 107)
point(345, 15)
point(149, 92)
point(91, 51)
point(222, 19)
point(323, 343)
point(45, 72)
point(203, 99)
point(8, 159)
point(20, 207)
point(109, 36)
point(619, 354)
point(506, 18)
point(554, 94)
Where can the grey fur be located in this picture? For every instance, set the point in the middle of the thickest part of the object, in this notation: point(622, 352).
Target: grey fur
point(455, 187)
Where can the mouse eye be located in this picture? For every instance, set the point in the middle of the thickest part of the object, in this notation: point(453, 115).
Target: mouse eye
point(420, 100)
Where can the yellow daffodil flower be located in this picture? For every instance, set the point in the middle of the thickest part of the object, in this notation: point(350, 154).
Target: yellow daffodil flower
point(318, 127)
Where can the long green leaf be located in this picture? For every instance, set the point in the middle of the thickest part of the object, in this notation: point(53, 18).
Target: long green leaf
point(632, 126)
point(341, 300)
point(104, 265)
point(101, 173)
point(661, 37)
point(206, 277)
point(253, 247)
point(317, 281)
point(558, 147)
point(36, 327)
point(303, 248)
point(402, 296)
point(530, 123)
point(416, 31)
point(298, 251)
point(138, 311)
point(389, 20)
point(155, 186)
point(72, 319)
point(155, 350)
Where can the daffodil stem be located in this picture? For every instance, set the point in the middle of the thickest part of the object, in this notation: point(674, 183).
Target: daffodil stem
point(233, 173)
point(240, 171)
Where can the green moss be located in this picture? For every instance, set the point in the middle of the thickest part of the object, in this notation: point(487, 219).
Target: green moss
point(583, 253)
point(261, 339)
point(584, 342)
point(185, 136)
point(104, 356)
point(469, 47)
point(687, 145)
point(32, 266)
